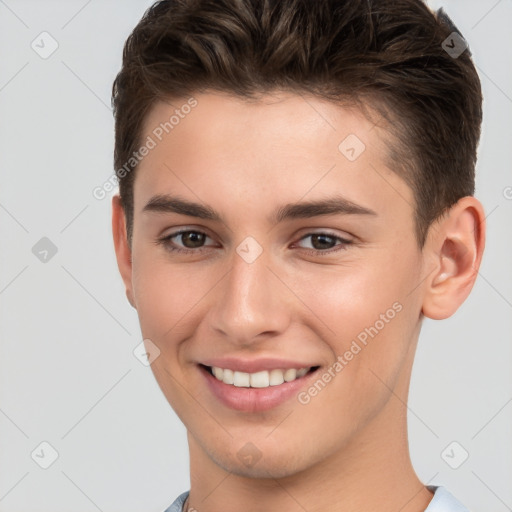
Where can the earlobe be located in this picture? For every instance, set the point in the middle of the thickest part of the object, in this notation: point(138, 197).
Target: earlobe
point(456, 249)
point(122, 248)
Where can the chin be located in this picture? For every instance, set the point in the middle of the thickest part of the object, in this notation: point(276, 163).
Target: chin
point(270, 465)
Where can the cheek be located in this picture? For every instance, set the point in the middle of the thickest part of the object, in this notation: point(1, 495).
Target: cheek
point(366, 310)
point(165, 296)
point(349, 300)
point(368, 322)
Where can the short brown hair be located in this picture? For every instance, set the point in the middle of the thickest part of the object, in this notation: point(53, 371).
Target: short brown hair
point(390, 55)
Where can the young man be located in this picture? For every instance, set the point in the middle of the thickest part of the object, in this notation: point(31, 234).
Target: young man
point(296, 194)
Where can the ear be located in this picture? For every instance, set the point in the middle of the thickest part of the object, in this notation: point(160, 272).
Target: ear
point(454, 250)
point(122, 248)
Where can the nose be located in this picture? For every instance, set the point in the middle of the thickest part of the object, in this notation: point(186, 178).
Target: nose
point(252, 302)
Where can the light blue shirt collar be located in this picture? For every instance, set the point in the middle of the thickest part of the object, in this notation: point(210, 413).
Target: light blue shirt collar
point(443, 501)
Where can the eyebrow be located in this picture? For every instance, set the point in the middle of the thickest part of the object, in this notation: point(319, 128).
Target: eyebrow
point(337, 205)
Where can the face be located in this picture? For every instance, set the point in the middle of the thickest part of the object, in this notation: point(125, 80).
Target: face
point(273, 236)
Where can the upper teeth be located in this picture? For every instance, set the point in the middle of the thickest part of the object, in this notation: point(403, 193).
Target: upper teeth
point(261, 379)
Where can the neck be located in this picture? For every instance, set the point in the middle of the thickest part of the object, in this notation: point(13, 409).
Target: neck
point(364, 476)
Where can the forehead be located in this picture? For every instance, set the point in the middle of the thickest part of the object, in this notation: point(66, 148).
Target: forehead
point(217, 145)
point(284, 118)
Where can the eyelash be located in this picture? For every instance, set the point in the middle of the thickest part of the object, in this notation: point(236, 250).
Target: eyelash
point(166, 242)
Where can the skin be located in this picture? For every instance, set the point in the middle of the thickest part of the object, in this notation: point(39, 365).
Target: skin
point(346, 448)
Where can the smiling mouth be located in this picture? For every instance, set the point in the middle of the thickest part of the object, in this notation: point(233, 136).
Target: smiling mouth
point(261, 379)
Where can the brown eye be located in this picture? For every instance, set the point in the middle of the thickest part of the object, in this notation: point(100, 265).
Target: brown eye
point(192, 239)
point(186, 240)
point(322, 241)
point(325, 243)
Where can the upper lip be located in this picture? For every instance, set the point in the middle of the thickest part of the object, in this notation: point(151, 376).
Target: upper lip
point(255, 365)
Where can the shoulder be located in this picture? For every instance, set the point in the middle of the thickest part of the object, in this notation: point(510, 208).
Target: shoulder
point(444, 501)
point(177, 504)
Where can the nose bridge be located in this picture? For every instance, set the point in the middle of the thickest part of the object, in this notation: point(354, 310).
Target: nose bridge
point(251, 301)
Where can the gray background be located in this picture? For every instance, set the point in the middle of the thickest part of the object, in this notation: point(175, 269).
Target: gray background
point(68, 374)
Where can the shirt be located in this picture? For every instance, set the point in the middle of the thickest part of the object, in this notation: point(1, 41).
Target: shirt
point(443, 501)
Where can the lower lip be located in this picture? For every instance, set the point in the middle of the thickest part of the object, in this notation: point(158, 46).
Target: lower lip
point(254, 399)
